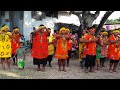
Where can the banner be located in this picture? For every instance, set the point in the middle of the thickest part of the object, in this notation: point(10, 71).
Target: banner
point(5, 46)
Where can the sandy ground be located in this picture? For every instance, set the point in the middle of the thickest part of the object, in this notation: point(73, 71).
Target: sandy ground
point(73, 72)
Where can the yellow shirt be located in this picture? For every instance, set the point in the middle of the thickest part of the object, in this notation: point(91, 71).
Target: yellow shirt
point(51, 46)
point(5, 45)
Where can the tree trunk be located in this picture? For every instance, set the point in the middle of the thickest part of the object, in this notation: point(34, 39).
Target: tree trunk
point(80, 30)
point(106, 15)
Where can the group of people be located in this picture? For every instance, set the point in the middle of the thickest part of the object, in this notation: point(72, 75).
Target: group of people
point(92, 50)
point(46, 45)
point(11, 47)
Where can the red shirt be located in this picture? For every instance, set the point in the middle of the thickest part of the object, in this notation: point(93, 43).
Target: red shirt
point(91, 46)
point(69, 43)
point(113, 49)
point(40, 46)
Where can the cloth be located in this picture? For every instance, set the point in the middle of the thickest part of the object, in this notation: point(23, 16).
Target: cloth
point(62, 49)
point(104, 51)
point(50, 46)
point(21, 63)
point(5, 46)
point(91, 46)
point(15, 40)
point(98, 52)
point(113, 49)
point(40, 46)
point(20, 53)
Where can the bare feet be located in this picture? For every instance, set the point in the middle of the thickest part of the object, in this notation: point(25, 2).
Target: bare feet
point(91, 69)
point(110, 71)
point(3, 68)
point(59, 69)
point(81, 67)
point(50, 65)
point(86, 70)
point(9, 69)
point(64, 70)
point(114, 71)
point(38, 69)
point(43, 69)
point(67, 65)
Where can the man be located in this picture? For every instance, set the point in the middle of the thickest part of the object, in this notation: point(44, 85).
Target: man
point(113, 50)
point(90, 40)
point(40, 47)
point(31, 36)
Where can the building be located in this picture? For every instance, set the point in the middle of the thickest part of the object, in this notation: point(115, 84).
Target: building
point(111, 26)
point(12, 19)
point(26, 20)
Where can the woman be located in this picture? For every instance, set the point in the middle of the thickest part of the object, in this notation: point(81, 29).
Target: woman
point(62, 48)
point(40, 47)
point(69, 42)
point(31, 36)
point(74, 48)
point(5, 49)
point(50, 48)
point(113, 50)
point(82, 49)
point(103, 44)
point(15, 40)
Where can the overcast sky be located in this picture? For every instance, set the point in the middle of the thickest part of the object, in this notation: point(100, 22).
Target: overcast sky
point(74, 19)
point(114, 15)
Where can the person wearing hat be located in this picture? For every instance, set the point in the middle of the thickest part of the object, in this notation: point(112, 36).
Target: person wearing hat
point(113, 50)
point(62, 48)
point(51, 40)
point(90, 41)
point(15, 40)
point(40, 47)
point(69, 42)
point(5, 50)
point(103, 44)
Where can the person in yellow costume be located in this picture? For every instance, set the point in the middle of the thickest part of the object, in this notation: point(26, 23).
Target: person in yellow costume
point(50, 48)
point(82, 49)
point(5, 46)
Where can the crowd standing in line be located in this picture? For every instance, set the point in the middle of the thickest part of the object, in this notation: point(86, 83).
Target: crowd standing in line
point(92, 50)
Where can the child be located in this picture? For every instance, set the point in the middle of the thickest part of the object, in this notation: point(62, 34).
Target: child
point(98, 56)
point(74, 48)
point(20, 56)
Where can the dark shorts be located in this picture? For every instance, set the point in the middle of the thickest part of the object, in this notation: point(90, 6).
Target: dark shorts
point(31, 45)
point(114, 61)
point(90, 61)
point(39, 61)
point(102, 59)
point(13, 55)
point(49, 58)
point(69, 53)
